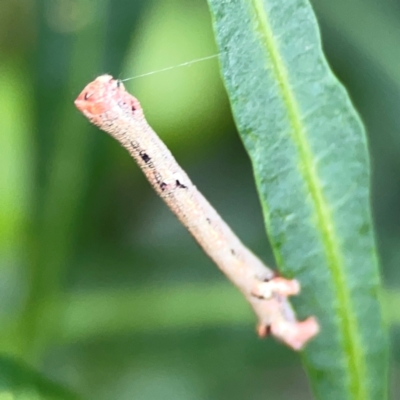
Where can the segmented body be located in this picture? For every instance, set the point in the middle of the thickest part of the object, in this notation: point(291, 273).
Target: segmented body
point(107, 104)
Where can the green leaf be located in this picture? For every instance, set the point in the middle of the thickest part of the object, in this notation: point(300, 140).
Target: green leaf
point(308, 150)
point(98, 313)
point(19, 382)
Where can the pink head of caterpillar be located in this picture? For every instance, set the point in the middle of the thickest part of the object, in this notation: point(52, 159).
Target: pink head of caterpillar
point(105, 96)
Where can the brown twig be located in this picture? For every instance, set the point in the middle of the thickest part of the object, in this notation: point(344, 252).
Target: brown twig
point(107, 105)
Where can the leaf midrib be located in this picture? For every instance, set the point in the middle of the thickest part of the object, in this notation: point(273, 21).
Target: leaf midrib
point(351, 341)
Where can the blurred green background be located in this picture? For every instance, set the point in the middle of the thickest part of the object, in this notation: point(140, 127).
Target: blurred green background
point(101, 289)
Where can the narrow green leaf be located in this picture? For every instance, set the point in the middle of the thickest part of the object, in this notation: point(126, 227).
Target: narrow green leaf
point(18, 381)
point(191, 306)
point(308, 150)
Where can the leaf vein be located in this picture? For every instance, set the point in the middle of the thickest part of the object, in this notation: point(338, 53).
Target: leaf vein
point(356, 367)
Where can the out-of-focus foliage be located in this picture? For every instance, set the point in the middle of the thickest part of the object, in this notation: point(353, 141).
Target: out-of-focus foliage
point(101, 289)
point(19, 382)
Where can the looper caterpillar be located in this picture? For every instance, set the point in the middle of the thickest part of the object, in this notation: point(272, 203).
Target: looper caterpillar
point(107, 104)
